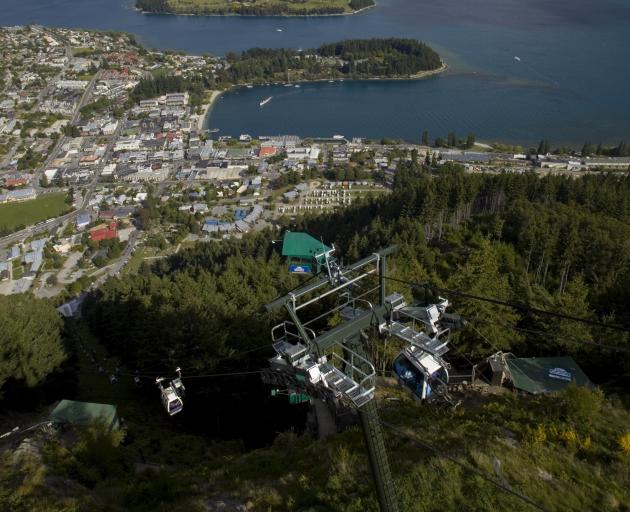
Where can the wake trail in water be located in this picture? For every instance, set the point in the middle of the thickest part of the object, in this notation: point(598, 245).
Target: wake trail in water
point(546, 78)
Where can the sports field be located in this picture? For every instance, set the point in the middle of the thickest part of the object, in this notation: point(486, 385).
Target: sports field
point(15, 216)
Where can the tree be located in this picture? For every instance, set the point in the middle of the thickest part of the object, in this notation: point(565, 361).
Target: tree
point(543, 147)
point(599, 149)
point(425, 137)
point(30, 339)
point(452, 139)
point(491, 326)
point(470, 140)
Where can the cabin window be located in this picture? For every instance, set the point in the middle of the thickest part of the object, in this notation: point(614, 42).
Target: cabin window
point(410, 375)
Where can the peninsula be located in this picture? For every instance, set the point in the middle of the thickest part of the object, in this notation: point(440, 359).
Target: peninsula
point(356, 59)
point(254, 7)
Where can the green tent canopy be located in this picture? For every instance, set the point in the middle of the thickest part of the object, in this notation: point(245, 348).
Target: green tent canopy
point(305, 253)
point(302, 246)
point(69, 412)
point(545, 374)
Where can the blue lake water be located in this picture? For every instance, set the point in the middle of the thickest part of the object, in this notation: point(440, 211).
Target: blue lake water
point(571, 84)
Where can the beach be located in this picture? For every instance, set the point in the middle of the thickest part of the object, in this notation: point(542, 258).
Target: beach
point(206, 108)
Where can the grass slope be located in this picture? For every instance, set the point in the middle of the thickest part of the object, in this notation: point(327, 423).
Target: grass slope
point(565, 453)
point(259, 7)
point(13, 216)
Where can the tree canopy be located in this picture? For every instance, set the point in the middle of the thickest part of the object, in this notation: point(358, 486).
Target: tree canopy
point(30, 339)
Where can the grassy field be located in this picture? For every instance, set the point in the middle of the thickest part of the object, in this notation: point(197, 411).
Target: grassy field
point(13, 216)
point(260, 6)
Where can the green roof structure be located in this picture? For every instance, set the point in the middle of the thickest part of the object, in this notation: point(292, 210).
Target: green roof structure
point(538, 375)
point(69, 412)
point(302, 246)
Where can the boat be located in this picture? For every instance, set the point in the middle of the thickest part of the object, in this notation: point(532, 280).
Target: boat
point(298, 85)
point(265, 101)
point(278, 30)
point(517, 58)
point(288, 85)
point(250, 86)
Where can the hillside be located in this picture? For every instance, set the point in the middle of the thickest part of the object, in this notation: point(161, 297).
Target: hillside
point(255, 7)
point(554, 243)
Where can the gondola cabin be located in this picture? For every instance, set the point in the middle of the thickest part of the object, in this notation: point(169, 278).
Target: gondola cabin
point(305, 254)
point(171, 401)
point(421, 373)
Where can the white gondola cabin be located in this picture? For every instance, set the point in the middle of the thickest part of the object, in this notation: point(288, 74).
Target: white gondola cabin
point(171, 401)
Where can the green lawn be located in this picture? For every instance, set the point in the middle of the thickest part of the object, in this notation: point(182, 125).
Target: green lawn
point(14, 216)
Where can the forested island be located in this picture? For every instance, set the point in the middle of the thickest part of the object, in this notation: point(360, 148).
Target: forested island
point(351, 59)
point(254, 7)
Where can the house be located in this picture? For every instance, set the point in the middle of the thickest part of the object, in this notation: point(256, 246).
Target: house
point(38, 245)
point(16, 181)
point(177, 99)
point(83, 220)
point(104, 232)
point(72, 308)
point(63, 247)
point(200, 207)
point(14, 253)
point(71, 413)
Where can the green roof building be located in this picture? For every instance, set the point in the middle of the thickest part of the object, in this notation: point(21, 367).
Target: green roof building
point(303, 252)
point(69, 412)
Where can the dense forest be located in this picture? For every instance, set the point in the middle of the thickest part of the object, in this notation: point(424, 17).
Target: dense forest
point(382, 57)
point(552, 242)
point(255, 8)
point(354, 59)
point(555, 243)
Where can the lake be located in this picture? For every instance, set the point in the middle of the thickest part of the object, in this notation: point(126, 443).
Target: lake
point(570, 85)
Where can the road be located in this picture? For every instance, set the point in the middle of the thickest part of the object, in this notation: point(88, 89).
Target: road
point(63, 139)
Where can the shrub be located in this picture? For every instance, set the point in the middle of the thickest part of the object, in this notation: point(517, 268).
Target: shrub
point(581, 404)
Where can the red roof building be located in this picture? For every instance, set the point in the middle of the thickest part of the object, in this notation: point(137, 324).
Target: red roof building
point(16, 182)
point(266, 151)
point(104, 232)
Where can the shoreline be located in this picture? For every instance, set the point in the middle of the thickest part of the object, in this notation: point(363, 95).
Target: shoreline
point(351, 13)
point(207, 107)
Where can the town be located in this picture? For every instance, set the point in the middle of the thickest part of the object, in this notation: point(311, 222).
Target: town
point(94, 182)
